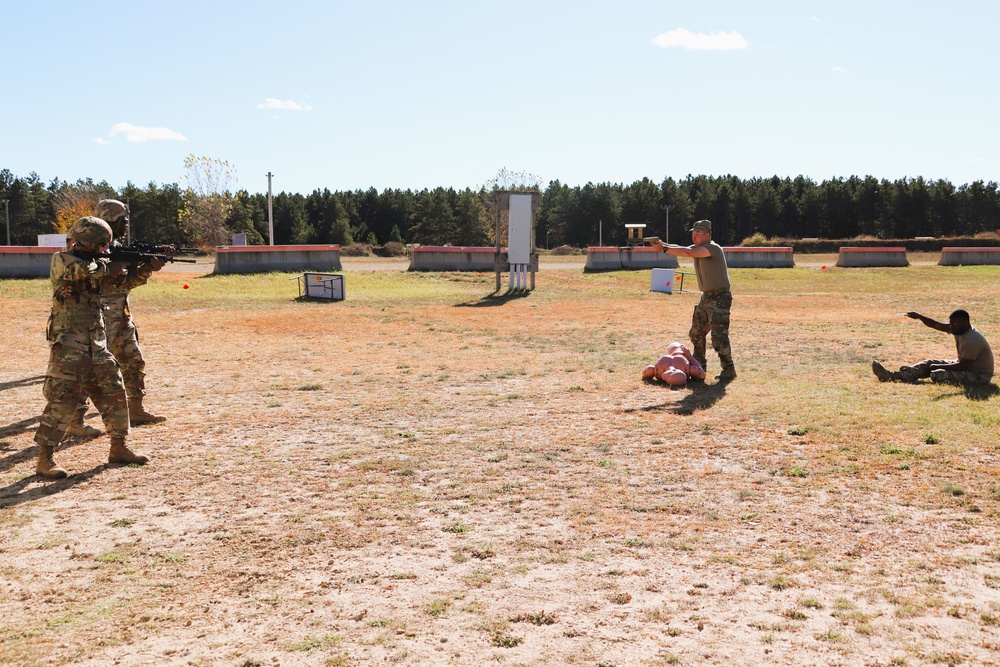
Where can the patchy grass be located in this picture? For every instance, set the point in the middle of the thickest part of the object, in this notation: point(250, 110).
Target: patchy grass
point(438, 607)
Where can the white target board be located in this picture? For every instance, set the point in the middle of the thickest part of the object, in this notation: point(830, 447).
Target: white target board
point(519, 230)
point(663, 281)
point(324, 286)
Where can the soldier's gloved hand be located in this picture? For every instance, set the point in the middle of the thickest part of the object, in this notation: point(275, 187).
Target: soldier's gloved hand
point(104, 267)
point(114, 269)
point(156, 263)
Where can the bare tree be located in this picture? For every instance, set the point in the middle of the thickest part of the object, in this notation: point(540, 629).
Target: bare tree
point(505, 180)
point(207, 200)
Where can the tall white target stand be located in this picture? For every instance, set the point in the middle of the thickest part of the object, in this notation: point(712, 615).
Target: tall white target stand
point(522, 262)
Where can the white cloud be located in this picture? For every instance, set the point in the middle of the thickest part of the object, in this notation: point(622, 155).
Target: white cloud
point(839, 70)
point(699, 41)
point(286, 105)
point(137, 134)
point(101, 141)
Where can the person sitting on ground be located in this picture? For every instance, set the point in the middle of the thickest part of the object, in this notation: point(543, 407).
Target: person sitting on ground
point(675, 367)
point(973, 366)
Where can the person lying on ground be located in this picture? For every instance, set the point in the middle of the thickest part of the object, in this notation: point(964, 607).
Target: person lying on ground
point(676, 367)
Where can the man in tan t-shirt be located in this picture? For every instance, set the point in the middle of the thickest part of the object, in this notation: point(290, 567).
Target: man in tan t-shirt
point(973, 366)
point(712, 312)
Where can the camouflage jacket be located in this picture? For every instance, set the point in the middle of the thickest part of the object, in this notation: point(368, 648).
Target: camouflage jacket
point(115, 291)
point(76, 320)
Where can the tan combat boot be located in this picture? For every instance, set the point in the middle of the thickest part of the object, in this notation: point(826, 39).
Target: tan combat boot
point(46, 466)
point(78, 429)
point(137, 415)
point(727, 375)
point(120, 453)
point(884, 375)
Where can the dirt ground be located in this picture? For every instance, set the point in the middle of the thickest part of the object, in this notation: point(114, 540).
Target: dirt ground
point(442, 478)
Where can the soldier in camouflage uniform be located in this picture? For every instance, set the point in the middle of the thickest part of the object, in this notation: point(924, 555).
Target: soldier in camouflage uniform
point(123, 339)
point(712, 312)
point(80, 363)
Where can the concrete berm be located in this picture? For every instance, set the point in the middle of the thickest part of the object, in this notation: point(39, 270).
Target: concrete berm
point(969, 256)
point(860, 257)
point(26, 261)
point(263, 258)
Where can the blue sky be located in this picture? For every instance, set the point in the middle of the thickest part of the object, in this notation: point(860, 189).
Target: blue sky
point(347, 95)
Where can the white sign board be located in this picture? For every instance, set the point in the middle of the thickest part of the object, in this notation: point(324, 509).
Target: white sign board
point(52, 240)
point(663, 281)
point(519, 230)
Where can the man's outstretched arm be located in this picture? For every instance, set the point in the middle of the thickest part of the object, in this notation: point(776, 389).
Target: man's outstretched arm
point(682, 250)
point(933, 324)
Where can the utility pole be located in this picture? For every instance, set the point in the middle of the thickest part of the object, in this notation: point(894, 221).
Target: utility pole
point(666, 208)
point(6, 205)
point(270, 212)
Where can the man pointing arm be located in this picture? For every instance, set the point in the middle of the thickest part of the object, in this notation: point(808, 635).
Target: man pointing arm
point(712, 312)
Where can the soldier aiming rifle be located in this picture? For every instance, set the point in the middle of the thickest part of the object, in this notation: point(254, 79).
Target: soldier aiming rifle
point(123, 338)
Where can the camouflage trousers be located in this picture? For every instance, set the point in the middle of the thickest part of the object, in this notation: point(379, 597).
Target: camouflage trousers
point(123, 341)
point(72, 376)
point(922, 369)
point(712, 315)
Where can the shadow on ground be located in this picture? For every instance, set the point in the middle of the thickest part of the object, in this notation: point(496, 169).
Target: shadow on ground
point(495, 299)
point(18, 428)
point(700, 397)
point(973, 392)
point(34, 487)
point(26, 382)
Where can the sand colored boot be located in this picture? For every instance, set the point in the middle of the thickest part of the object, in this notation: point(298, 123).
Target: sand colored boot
point(46, 466)
point(78, 429)
point(727, 375)
point(120, 453)
point(137, 415)
point(884, 375)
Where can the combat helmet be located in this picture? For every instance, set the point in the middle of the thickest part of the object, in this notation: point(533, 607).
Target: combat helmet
point(115, 213)
point(92, 232)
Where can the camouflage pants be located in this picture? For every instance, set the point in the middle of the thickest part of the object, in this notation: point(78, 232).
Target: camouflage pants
point(123, 341)
point(922, 369)
point(72, 376)
point(712, 315)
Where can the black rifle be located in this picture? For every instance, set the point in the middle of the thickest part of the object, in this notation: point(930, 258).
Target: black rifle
point(153, 249)
point(125, 254)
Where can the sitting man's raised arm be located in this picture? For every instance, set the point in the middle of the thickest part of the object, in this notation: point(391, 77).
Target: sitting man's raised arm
point(933, 324)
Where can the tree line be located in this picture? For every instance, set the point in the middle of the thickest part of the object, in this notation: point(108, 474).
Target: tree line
point(775, 207)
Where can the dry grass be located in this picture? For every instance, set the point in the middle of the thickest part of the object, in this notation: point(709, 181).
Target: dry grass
point(415, 475)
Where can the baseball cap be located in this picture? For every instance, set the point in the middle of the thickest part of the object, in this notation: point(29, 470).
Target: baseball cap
point(702, 226)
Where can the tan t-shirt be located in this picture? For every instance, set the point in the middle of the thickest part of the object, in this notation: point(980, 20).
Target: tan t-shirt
point(972, 345)
point(712, 273)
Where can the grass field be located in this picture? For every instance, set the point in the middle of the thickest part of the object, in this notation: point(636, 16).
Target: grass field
point(425, 475)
